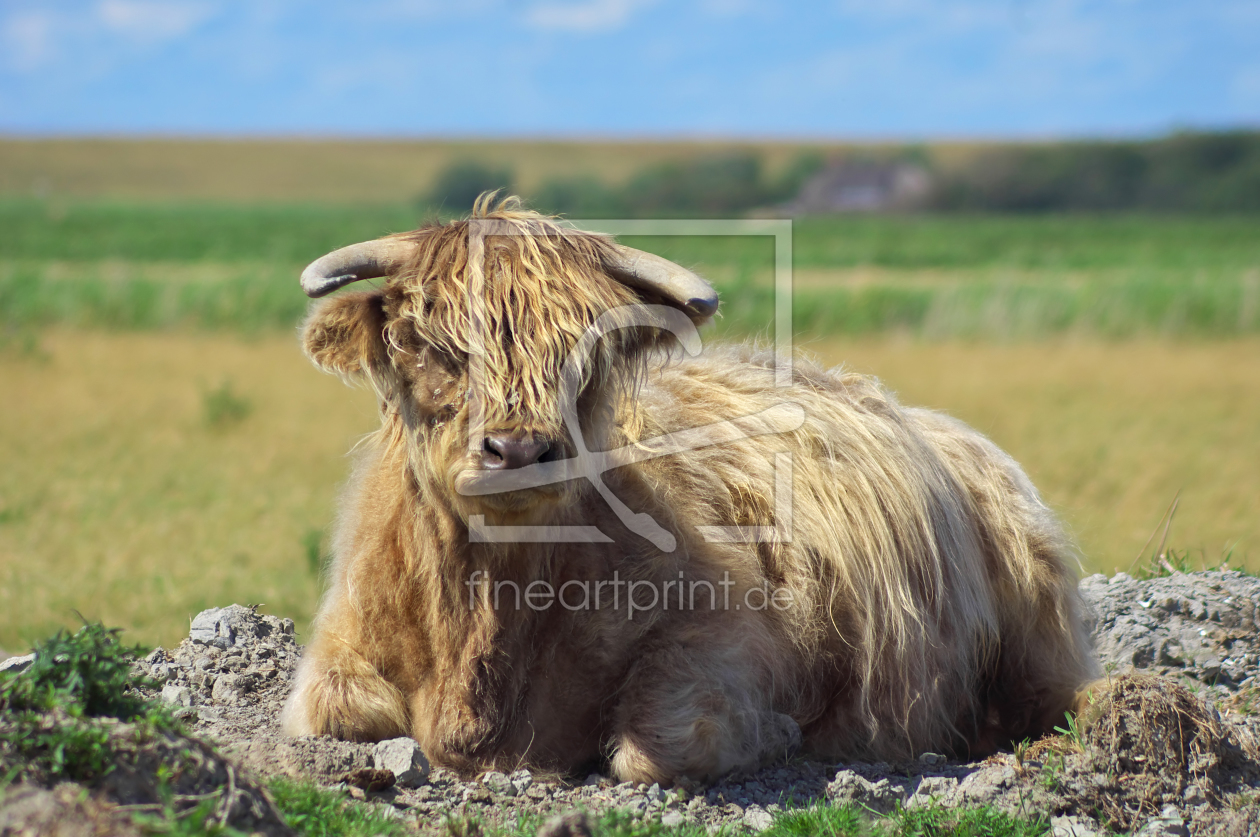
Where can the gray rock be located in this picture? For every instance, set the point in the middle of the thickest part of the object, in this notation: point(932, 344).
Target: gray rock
point(983, 786)
point(177, 695)
point(404, 758)
point(1072, 827)
point(475, 793)
point(1201, 625)
point(499, 783)
point(1195, 795)
point(848, 787)
point(673, 819)
point(1168, 824)
point(758, 819)
point(225, 689)
point(932, 789)
point(17, 664)
point(521, 780)
point(234, 625)
point(655, 794)
point(931, 759)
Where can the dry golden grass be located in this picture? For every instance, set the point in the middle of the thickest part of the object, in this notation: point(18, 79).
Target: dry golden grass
point(120, 500)
point(344, 171)
point(1110, 432)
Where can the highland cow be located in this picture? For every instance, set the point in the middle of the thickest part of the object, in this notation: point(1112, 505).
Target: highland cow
point(505, 602)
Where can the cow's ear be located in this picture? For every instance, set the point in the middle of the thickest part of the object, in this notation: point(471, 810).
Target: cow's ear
point(346, 334)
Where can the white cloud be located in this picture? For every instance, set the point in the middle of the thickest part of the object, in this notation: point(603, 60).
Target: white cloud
point(586, 16)
point(152, 21)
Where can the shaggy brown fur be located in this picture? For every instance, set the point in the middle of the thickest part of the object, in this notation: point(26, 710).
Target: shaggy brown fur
point(926, 596)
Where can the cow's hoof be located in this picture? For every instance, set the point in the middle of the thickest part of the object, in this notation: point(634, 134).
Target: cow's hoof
point(781, 737)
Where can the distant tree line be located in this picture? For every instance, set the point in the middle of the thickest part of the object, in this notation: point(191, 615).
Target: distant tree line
point(714, 185)
point(1184, 172)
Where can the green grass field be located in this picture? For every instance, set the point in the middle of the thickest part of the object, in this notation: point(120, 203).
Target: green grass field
point(164, 446)
point(161, 266)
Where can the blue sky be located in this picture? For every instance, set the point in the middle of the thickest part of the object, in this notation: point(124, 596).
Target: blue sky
point(879, 69)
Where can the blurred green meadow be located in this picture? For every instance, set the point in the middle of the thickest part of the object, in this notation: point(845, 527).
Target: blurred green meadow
point(164, 447)
point(153, 266)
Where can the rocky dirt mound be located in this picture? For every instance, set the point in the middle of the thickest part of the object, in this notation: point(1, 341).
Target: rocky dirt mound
point(1169, 745)
point(1151, 752)
point(88, 755)
point(1197, 625)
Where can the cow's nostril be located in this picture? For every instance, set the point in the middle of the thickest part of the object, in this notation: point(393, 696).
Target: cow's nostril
point(502, 452)
point(489, 454)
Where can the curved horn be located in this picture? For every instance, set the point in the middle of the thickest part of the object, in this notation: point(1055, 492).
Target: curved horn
point(367, 260)
point(649, 272)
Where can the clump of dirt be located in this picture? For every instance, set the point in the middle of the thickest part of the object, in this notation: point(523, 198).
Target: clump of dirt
point(64, 811)
point(1144, 744)
point(146, 770)
point(1155, 727)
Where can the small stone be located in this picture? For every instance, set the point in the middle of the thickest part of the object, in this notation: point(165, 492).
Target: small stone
point(986, 784)
point(931, 789)
point(404, 758)
point(881, 797)
point(1072, 827)
point(673, 819)
point(931, 759)
point(655, 794)
point(476, 793)
point(1195, 795)
point(537, 792)
point(17, 664)
point(695, 804)
point(637, 805)
point(499, 783)
point(594, 779)
point(225, 689)
point(177, 695)
point(521, 780)
point(1168, 824)
point(758, 819)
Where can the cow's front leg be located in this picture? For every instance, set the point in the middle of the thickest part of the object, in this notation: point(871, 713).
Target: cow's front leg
point(694, 709)
point(338, 692)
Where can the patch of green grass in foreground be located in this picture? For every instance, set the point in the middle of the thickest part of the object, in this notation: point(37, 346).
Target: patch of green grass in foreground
point(819, 820)
point(55, 713)
point(314, 812)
